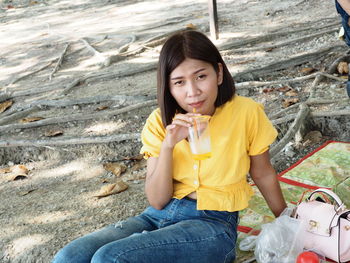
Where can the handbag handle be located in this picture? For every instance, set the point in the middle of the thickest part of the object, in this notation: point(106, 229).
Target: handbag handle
point(329, 193)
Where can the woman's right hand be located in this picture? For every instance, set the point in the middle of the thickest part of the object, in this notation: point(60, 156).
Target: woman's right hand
point(178, 129)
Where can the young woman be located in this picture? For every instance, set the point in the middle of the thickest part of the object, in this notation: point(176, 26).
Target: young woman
point(194, 204)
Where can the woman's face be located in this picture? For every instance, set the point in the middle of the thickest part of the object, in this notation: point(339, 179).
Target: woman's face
point(194, 85)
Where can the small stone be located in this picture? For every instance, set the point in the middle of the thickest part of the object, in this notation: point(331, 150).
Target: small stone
point(76, 107)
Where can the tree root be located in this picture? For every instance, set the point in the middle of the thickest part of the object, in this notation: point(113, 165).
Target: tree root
point(288, 42)
point(18, 115)
point(330, 113)
point(301, 116)
point(59, 62)
point(292, 62)
point(33, 72)
point(77, 117)
point(312, 114)
point(269, 37)
point(333, 67)
point(253, 84)
point(88, 100)
point(309, 102)
point(70, 141)
point(104, 61)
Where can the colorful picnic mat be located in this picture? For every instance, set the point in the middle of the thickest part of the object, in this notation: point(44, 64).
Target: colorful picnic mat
point(328, 167)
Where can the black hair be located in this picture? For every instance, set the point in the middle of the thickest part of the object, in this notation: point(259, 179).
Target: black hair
point(195, 45)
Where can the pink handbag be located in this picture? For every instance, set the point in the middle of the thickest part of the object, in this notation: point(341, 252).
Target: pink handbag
point(327, 226)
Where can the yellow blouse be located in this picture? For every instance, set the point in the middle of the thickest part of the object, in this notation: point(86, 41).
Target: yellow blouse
point(238, 129)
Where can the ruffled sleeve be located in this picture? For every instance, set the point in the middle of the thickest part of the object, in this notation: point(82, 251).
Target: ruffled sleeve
point(261, 132)
point(152, 135)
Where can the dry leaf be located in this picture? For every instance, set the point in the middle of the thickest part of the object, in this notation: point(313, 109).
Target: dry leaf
point(53, 133)
point(269, 49)
point(31, 119)
point(343, 68)
point(20, 168)
point(308, 70)
point(5, 105)
point(112, 189)
point(344, 77)
point(191, 26)
point(5, 170)
point(284, 89)
point(288, 102)
point(33, 2)
point(18, 172)
point(102, 108)
point(116, 168)
point(291, 93)
point(268, 90)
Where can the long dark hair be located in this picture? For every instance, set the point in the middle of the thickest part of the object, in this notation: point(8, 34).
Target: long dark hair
point(194, 45)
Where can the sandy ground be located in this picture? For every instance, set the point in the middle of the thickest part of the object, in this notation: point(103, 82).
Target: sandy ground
point(51, 199)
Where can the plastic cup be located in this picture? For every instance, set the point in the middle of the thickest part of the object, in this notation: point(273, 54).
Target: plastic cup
point(199, 137)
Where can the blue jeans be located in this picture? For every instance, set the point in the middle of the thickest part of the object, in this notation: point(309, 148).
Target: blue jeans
point(344, 21)
point(177, 233)
point(345, 24)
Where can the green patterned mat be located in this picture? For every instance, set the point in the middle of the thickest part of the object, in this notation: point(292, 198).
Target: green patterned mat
point(327, 167)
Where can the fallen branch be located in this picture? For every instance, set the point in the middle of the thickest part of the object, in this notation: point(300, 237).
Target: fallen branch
point(59, 62)
point(70, 141)
point(300, 118)
point(77, 117)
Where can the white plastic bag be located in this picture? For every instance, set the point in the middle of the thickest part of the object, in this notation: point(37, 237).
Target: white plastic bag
point(279, 241)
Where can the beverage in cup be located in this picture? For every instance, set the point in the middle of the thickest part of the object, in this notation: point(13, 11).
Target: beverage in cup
point(199, 137)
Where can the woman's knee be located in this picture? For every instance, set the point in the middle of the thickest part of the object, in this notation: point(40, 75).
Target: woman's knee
point(74, 252)
point(65, 255)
